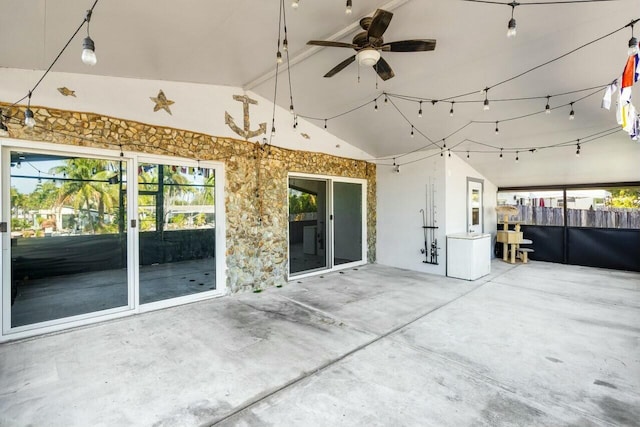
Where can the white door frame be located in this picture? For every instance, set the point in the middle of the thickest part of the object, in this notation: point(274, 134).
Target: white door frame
point(330, 228)
point(132, 159)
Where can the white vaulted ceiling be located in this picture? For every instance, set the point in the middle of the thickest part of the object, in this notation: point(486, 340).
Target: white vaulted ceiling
point(233, 43)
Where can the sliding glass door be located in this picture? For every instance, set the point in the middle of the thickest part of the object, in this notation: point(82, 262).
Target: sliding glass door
point(68, 239)
point(86, 239)
point(326, 223)
point(176, 213)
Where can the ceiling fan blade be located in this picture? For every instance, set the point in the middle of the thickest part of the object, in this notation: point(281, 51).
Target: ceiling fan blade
point(379, 23)
point(328, 43)
point(411, 45)
point(383, 69)
point(341, 66)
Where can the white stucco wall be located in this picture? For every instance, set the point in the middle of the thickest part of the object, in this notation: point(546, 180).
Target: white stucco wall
point(457, 172)
point(401, 196)
point(197, 107)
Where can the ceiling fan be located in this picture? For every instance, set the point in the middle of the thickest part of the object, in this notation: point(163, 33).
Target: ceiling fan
point(369, 43)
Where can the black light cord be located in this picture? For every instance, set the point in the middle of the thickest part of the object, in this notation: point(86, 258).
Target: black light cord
point(85, 20)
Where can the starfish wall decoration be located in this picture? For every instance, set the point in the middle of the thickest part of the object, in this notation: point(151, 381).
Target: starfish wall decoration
point(162, 103)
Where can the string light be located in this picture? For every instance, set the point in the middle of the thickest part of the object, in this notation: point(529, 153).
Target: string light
point(444, 143)
point(325, 123)
point(29, 121)
point(633, 44)
point(511, 26)
point(451, 110)
point(3, 127)
point(348, 8)
point(578, 149)
point(291, 108)
point(375, 105)
point(547, 108)
point(449, 152)
point(517, 158)
point(411, 131)
point(279, 57)
point(501, 154)
point(572, 114)
point(285, 42)
point(497, 130)
point(386, 99)
point(88, 46)
point(420, 110)
point(467, 154)
point(485, 106)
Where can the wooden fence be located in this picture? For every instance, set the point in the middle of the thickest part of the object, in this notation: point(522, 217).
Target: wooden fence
point(599, 218)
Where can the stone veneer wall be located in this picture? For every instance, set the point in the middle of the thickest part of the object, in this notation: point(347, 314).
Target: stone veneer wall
point(256, 190)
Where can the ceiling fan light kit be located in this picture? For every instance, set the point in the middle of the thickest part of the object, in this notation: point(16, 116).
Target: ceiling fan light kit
point(368, 57)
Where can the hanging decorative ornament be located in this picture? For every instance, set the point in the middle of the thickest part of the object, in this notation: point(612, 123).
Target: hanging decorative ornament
point(162, 103)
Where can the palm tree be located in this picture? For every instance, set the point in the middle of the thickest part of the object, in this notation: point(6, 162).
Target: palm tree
point(87, 188)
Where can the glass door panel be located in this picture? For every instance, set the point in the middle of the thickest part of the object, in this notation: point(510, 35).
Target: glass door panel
point(307, 225)
point(176, 213)
point(68, 236)
point(347, 222)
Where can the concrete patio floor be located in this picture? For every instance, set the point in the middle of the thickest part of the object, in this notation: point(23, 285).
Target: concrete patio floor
point(530, 345)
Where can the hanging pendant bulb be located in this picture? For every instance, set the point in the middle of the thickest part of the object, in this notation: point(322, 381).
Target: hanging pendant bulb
point(294, 4)
point(547, 108)
point(325, 123)
point(29, 121)
point(497, 130)
point(375, 105)
point(279, 57)
point(420, 110)
point(385, 98)
point(285, 44)
point(444, 143)
point(411, 131)
point(451, 110)
point(501, 154)
point(485, 106)
point(291, 108)
point(348, 8)
point(449, 150)
point(572, 114)
point(89, 52)
point(517, 158)
point(273, 131)
point(578, 149)
point(467, 154)
point(633, 46)
point(511, 26)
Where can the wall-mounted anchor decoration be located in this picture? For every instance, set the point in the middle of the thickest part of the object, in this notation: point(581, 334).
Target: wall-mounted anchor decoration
point(162, 103)
point(246, 132)
point(65, 91)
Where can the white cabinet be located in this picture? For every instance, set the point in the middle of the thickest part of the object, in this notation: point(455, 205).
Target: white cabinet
point(468, 255)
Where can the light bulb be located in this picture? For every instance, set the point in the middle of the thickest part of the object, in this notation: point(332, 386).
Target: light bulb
point(501, 154)
point(517, 158)
point(485, 106)
point(291, 108)
point(497, 130)
point(348, 9)
point(578, 151)
point(29, 121)
point(397, 169)
point(547, 109)
point(511, 28)
point(294, 4)
point(420, 110)
point(572, 115)
point(273, 131)
point(285, 45)
point(279, 57)
point(411, 131)
point(89, 52)
point(451, 110)
point(633, 46)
